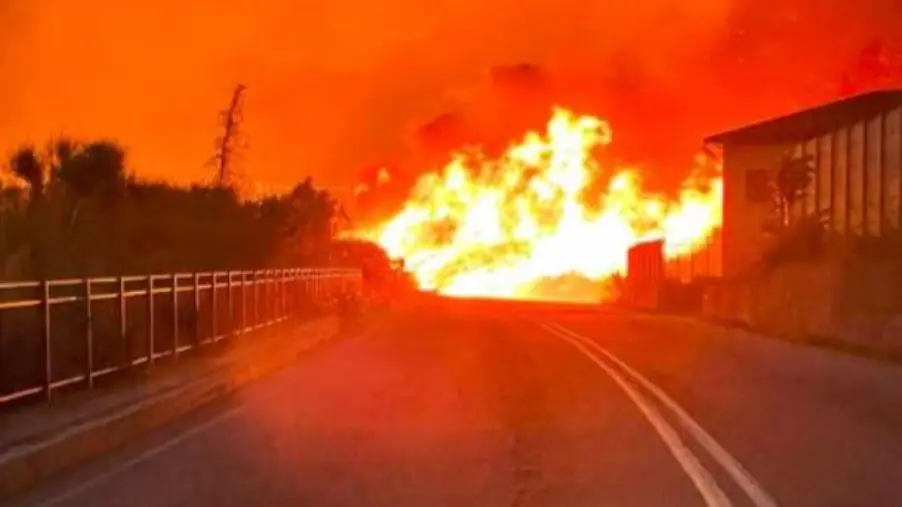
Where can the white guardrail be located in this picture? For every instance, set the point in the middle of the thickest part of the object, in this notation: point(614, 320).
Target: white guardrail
point(58, 333)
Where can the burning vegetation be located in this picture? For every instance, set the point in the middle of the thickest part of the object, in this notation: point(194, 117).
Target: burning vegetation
point(548, 218)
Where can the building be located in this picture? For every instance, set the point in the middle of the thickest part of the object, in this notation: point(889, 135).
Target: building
point(855, 148)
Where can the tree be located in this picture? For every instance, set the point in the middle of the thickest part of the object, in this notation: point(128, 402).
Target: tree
point(96, 169)
point(60, 152)
point(794, 176)
point(28, 167)
point(88, 172)
point(794, 240)
point(227, 144)
point(87, 216)
point(300, 223)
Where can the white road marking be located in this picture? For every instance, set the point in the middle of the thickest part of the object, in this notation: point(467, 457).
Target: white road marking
point(141, 458)
point(700, 477)
point(737, 472)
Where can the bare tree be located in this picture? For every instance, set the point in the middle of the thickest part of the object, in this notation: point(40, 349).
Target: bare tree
point(228, 143)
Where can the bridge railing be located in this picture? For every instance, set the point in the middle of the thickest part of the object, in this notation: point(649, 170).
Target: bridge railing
point(59, 333)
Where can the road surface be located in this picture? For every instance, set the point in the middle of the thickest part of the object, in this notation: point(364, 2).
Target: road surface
point(477, 403)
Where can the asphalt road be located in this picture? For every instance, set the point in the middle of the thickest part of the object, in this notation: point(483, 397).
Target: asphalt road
point(479, 403)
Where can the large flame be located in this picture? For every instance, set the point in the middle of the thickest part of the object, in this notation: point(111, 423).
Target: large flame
point(547, 216)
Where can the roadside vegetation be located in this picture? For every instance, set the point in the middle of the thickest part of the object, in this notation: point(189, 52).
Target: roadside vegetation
point(73, 210)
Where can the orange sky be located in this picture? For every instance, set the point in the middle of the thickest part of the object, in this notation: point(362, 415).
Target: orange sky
point(336, 85)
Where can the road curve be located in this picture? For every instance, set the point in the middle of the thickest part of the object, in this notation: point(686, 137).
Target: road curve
point(480, 403)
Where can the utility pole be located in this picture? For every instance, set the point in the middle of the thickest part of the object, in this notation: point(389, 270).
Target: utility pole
point(226, 144)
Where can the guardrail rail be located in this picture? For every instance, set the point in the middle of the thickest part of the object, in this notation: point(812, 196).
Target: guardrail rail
point(58, 333)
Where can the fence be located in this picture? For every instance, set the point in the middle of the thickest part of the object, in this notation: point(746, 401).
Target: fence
point(695, 261)
point(644, 274)
point(58, 333)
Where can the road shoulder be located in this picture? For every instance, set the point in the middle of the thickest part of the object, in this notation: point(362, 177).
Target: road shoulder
point(40, 441)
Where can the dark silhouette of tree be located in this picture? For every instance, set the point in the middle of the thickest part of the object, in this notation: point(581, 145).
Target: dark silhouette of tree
point(799, 239)
point(60, 152)
point(27, 166)
point(82, 215)
point(793, 178)
point(302, 221)
point(92, 170)
point(228, 143)
point(90, 218)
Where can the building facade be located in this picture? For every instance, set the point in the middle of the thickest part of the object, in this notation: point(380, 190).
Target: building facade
point(855, 151)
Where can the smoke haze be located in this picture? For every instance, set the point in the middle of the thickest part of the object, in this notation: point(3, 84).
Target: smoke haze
point(336, 87)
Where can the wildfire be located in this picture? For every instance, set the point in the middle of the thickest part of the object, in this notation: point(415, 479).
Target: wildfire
point(546, 214)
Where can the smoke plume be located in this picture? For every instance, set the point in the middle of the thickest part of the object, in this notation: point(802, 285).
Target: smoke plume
point(334, 87)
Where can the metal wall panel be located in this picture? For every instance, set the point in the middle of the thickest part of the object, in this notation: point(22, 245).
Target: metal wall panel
point(811, 196)
point(798, 208)
point(874, 176)
point(892, 166)
point(825, 176)
point(856, 179)
point(840, 180)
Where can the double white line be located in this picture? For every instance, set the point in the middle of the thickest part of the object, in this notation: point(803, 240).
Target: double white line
point(700, 477)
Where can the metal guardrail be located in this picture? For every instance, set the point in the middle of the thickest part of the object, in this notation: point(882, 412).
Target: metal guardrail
point(250, 300)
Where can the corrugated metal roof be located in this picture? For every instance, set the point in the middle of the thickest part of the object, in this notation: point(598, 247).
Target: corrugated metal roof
point(813, 122)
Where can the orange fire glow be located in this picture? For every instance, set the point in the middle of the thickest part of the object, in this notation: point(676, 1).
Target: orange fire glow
point(548, 211)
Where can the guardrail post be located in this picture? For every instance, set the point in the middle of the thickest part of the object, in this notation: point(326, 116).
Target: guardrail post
point(197, 337)
point(46, 352)
point(302, 291)
point(231, 302)
point(175, 316)
point(271, 297)
point(314, 277)
point(274, 296)
point(305, 288)
point(213, 287)
point(256, 318)
point(261, 299)
point(150, 326)
point(265, 298)
point(123, 325)
point(243, 302)
point(283, 300)
point(292, 292)
point(289, 273)
point(298, 290)
point(89, 336)
point(286, 291)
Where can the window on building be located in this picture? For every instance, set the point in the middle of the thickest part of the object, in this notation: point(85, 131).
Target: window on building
point(840, 180)
point(874, 176)
point(825, 176)
point(856, 179)
point(892, 167)
point(757, 186)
